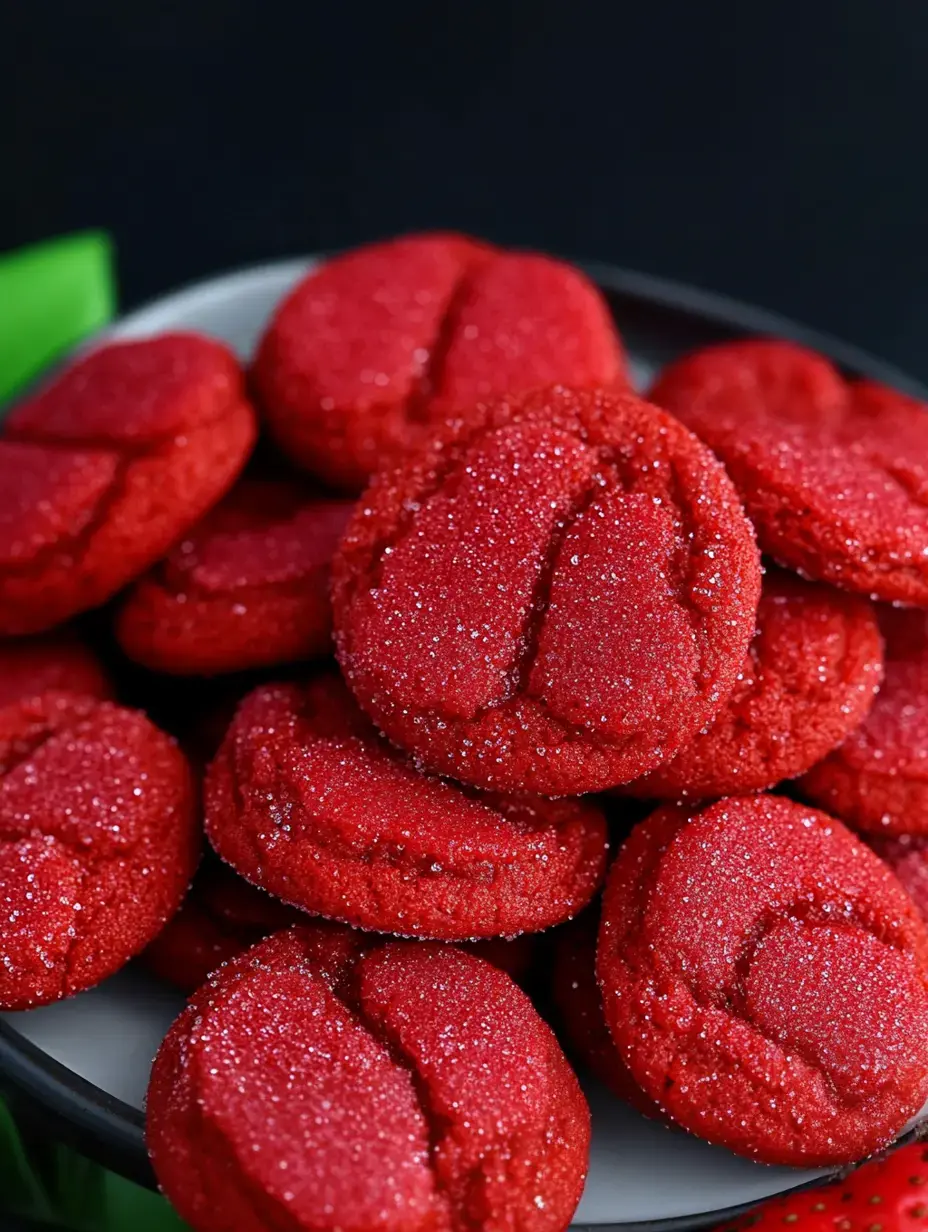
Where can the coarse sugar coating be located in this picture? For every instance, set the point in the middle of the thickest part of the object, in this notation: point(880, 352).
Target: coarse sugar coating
point(248, 587)
point(552, 597)
point(387, 1087)
point(765, 977)
point(58, 662)
point(877, 781)
point(307, 801)
point(383, 342)
point(832, 473)
point(99, 839)
point(105, 468)
point(809, 678)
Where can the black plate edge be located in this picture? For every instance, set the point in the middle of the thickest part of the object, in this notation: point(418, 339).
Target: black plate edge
point(110, 1131)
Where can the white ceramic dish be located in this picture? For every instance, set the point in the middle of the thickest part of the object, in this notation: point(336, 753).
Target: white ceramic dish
point(83, 1063)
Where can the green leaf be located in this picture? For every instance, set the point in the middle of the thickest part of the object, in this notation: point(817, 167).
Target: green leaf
point(51, 296)
point(21, 1187)
point(53, 1184)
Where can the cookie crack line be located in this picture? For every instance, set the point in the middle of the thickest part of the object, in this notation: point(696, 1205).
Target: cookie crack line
point(370, 577)
point(90, 868)
point(730, 1000)
point(387, 855)
point(32, 747)
point(417, 404)
point(79, 542)
point(789, 523)
point(152, 444)
point(528, 640)
point(437, 1124)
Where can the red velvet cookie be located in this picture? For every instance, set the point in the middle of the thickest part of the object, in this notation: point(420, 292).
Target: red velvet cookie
point(305, 800)
point(579, 1006)
point(248, 587)
point(399, 1088)
point(553, 597)
point(809, 678)
point(877, 781)
point(221, 917)
point(57, 662)
point(102, 471)
point(833, 474)
point(387, 339)
point(98, 842)
point(765, 977)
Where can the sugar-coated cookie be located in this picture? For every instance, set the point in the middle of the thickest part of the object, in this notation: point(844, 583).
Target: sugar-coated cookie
point(99, 839)
point(832, 473)
point(393, 1087)
point(247, 587)
point(765, 978)
point(809, 678)
point(105, 468)
point(385, 341)
point(877, 781)
point(553, 597)
point(305, 800)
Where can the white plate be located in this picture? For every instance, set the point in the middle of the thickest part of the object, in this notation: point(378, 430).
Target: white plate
point(104, 1039)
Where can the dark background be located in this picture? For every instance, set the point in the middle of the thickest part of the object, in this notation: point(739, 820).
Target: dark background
point(773, 151)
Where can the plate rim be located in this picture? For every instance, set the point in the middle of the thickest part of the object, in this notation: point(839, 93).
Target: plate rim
point(106, 1128)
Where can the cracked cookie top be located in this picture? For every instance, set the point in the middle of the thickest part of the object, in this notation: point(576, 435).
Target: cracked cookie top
point(551, 597)
point(306, 800)
point(316, 1051)
point(102, 470)
point(383, 342)
point(809, 678)
point(765, 978)
point(832, 473)
point(98, 842)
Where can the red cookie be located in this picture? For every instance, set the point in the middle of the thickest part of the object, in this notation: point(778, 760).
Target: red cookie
point(57, 662)
point(98, 842)
point(877, 780)
point(391, 337)
point(401, 1088)
point(305, 800)
point(579, 1006)
point(248, 587)
point(220, 918)
point(809, 678)
point(833, 475)
point(765, 978)
point(553, 597)
point(102, 471)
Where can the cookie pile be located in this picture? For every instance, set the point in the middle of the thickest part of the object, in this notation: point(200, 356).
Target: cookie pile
point(554, 609)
